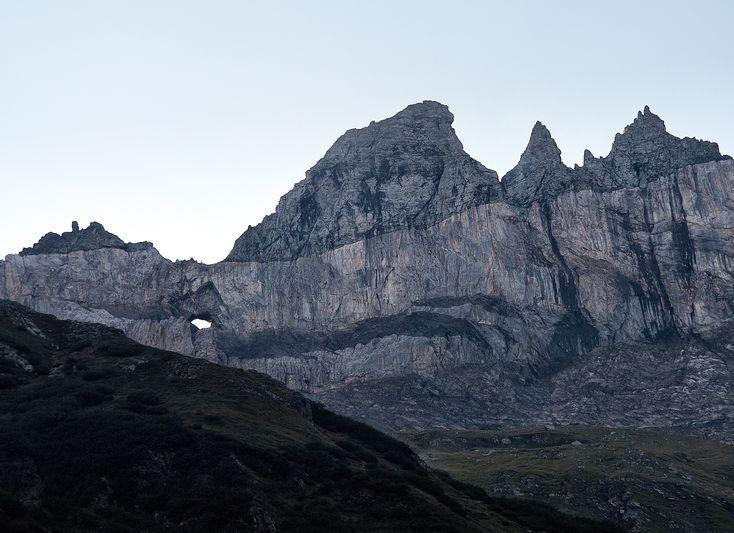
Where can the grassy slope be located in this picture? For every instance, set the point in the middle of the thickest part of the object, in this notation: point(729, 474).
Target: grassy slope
point(106, 434)
point(641, 480)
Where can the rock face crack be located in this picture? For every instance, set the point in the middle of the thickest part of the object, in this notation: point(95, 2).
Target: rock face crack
point(681, 236)
point(655, 300)
point(669, 324)
point(574, 333)
point(567, 286)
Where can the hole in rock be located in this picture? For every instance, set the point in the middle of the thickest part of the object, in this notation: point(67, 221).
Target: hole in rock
point(200, 323)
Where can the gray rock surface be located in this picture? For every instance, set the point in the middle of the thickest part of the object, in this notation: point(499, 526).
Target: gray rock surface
point(93, 237)
point(444, 300)
point(643, 151)
point(409, 170)
point(540, 174)
point(684, 385)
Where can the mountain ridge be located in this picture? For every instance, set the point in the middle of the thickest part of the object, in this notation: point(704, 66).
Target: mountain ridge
point(484, 303)
point(521, 185)
point(631, 161)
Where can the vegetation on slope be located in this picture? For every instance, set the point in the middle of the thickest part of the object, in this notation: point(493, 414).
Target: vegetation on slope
point(641, 480)
point(102, 434)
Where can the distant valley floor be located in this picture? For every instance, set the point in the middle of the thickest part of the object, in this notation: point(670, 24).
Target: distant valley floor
point(641, 480)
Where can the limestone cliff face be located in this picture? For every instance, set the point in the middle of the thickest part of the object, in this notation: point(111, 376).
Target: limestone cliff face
point(448, 288)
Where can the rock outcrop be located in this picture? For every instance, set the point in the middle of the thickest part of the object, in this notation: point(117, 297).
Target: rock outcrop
point(540, 174)
point(643, 151)
point(409, 170)
point(94, 237)
point(401, 273)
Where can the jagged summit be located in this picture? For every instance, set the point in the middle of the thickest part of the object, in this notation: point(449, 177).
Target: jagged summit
point(411, 170)
point(542, 144)
point(93, 237)
point(540, 172)
point(416, 129)
point(644, 133)
point(643, 151)
point(407, 170)
point(647, 122)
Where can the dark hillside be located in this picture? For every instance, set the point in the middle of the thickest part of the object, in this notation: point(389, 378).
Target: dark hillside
point(102, 434)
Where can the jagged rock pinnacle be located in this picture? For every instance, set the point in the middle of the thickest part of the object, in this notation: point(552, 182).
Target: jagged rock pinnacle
point(411, 170)
point(646, 150)
point(542, 145)
point(540, 172)
point(646, 124)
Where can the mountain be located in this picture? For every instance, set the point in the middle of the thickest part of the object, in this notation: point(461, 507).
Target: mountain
point(643, 151)
point(402, 274)
point(103, 434)
point(409, 170)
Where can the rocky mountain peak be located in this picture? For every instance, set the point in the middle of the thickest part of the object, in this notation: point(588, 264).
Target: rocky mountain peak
point(540, 172)
point(645, 150)
point(405, 171)
point(427, 109)
point(541, 145)
point(647, 126)
point(411, 170)
point(463, 321)
point(414, 130)
point(93, 237)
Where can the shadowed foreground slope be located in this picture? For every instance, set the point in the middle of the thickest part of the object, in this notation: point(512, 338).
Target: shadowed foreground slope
point(101, 433)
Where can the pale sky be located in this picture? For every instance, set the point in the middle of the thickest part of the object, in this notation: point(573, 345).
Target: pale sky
point(183, 122)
